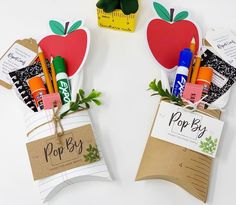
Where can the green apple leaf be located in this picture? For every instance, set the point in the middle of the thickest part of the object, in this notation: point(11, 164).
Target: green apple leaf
point(181, 16)
point(75, 26)
point(162, 11)
point(56, 27)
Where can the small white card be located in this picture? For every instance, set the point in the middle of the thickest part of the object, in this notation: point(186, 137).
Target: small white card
point(17, 57)
point(192, 130)
point(224, 42)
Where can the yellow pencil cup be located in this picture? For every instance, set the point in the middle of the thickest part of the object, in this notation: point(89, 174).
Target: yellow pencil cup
point(117, 20)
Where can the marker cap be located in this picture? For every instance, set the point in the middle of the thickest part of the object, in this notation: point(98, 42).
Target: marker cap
point(59, 64)
point(36, 83)
point(205, 74)
point(185, 58)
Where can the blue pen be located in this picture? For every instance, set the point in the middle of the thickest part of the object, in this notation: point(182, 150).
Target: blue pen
point(182, 72)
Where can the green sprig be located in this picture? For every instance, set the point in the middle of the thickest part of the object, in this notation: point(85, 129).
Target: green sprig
point(83, 102)
point(208, 145)
point(92, 154)
point(157, 88)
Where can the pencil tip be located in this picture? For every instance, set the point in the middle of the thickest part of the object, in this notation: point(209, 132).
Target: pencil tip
point(39, 49)
point(193, 40)
point(51, 59)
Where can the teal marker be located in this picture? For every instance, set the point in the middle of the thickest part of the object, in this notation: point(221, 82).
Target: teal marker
point(62, 79)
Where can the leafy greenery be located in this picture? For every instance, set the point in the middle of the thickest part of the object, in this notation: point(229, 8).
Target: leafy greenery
point(209, 145)
point(127, 6)
point(93, 154)
point(157, 88)
point(83, 102)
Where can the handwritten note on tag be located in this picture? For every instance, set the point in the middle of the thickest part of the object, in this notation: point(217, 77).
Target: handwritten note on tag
point(224, 42)
point(21, 54)
point(188, 129)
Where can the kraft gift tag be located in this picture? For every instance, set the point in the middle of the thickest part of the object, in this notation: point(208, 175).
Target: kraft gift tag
point(188, 169)
point(21, 54)
point(49, 157)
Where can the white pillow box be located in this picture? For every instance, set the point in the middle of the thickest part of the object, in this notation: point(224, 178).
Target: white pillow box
point(49, 186)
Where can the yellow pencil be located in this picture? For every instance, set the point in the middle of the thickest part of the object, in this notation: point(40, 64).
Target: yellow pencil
point(45, 71)
point(192, 48)
point(54, 80)
point(193, 45)
point(196, 69)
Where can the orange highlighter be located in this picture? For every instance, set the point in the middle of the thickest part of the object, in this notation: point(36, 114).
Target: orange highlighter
point(37, 89)
point(204, 78)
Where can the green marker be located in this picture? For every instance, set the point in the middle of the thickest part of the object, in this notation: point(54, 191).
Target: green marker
point(62, 79)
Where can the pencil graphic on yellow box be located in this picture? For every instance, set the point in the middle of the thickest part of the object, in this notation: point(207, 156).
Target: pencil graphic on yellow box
point(192, 48)
point(54, 80)
point(45, 71)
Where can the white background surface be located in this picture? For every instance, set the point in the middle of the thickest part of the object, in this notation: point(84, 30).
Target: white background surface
point(120, 65)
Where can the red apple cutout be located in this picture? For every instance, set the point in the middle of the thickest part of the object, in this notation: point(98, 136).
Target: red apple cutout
point(169, 35)
point(72, 44)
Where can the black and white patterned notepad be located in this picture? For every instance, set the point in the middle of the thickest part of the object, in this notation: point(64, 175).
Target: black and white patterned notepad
point(20, 80)
point(223, 78)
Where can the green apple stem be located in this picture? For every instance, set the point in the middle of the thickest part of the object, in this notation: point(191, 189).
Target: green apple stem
point(172, 14)
point(66, 27)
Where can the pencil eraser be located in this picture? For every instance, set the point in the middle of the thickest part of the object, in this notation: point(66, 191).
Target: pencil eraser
point(192, 92)
point(51, 100)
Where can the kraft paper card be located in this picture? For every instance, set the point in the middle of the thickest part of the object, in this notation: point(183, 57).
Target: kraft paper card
point(21, 54)
point(77, 148)
point(186, 168)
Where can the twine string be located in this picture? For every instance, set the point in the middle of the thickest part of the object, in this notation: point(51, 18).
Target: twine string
point(56, 120)
point(193, 107)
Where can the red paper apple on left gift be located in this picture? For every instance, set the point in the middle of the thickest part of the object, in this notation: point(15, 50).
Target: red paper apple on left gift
point(169, 35)
point(70, 43)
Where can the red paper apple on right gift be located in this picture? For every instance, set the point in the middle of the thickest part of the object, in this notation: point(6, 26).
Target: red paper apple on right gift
point(169, 35)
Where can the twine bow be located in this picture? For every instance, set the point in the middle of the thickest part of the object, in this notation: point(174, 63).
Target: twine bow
point(56, 120)
point(193, 107)
point(57, 123)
